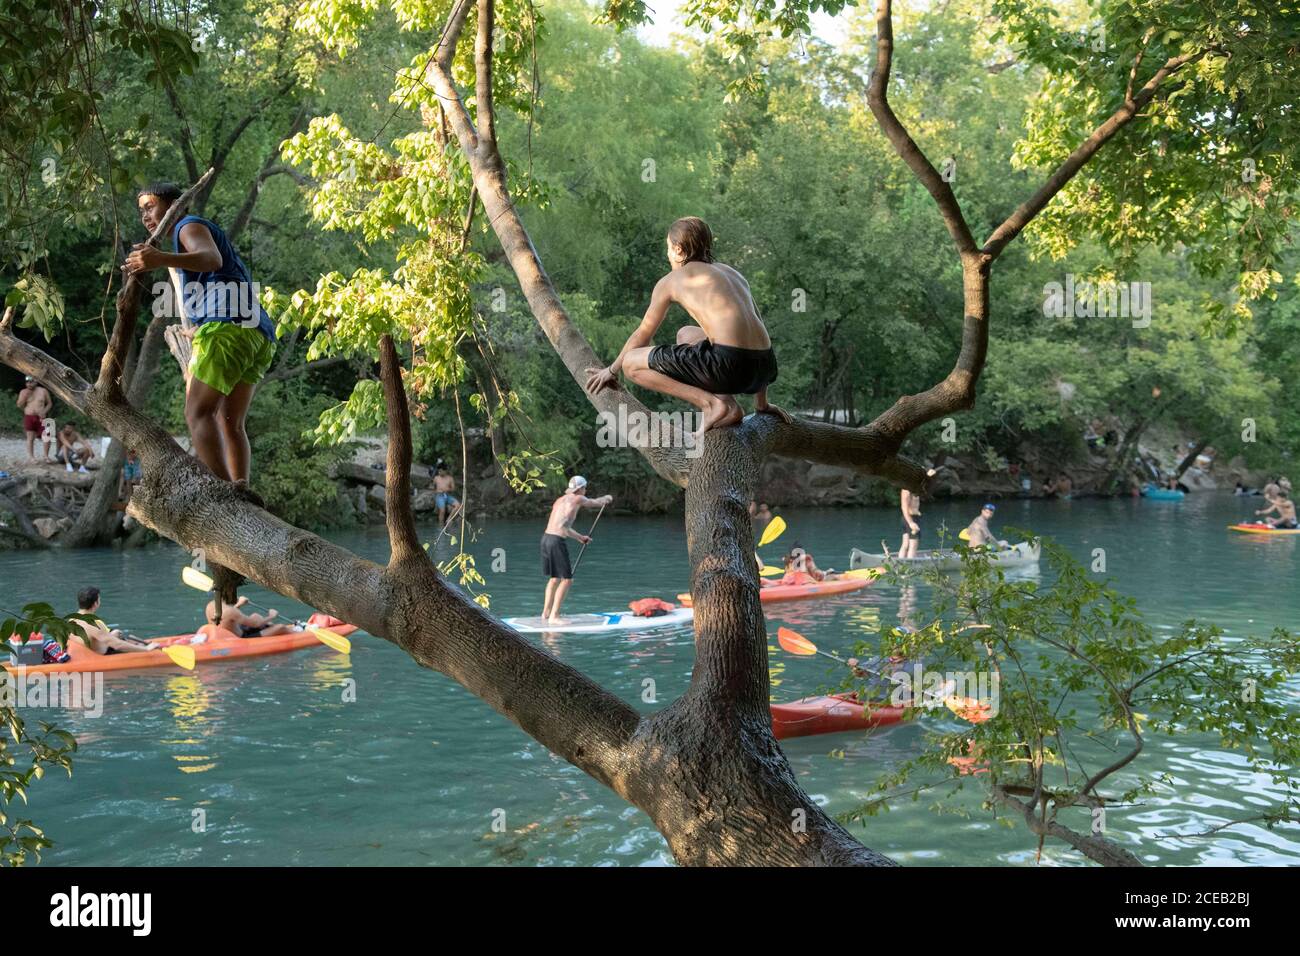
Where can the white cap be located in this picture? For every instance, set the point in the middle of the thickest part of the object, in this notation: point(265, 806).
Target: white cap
point(577, 483)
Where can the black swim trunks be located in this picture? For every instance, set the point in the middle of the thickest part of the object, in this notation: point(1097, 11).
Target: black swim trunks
point(720, 369)
point(908, 530)
point(251, 631)
point(555, 557)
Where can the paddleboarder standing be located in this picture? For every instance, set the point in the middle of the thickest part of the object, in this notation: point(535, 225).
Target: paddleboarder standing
point(555, 548)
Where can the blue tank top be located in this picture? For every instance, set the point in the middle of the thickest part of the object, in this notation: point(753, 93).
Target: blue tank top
point(222, 295)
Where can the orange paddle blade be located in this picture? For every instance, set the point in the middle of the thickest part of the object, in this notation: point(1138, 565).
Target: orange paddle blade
point(794, 642)
point(968, 708)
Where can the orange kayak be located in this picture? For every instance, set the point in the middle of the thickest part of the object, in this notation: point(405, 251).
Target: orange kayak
point(220, 646)
point(830, 715)
point(799, 592)
point(1258, 527)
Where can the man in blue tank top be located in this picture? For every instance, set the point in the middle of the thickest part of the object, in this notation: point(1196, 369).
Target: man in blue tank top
point(234, 338)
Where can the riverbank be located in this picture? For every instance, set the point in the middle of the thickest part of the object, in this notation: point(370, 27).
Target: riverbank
point(54, 496)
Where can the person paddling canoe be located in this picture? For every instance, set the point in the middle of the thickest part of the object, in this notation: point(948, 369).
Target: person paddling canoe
point(978, 532)
point(555, 548)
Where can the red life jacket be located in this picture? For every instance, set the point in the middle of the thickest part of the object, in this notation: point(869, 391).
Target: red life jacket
point(650, 607)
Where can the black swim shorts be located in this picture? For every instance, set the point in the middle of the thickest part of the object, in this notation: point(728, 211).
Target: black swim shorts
point(720, 369)
point(908, 530)
point(555, 557)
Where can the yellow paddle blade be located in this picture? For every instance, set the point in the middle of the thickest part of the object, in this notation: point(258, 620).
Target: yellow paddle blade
point(181, 656)
point(794, 642)
point(196, 579)
point(774, 529)
point(331, 640)
point(864, 573)
point(964, 535)
point(770, 571)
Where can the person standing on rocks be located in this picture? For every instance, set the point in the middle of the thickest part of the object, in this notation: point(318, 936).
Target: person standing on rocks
point(35, 401)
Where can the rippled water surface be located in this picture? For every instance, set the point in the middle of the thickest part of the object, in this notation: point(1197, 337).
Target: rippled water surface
point(414, 770)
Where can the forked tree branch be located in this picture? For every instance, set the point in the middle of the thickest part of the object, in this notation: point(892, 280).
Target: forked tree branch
point(1133, 104)
point(904, 145)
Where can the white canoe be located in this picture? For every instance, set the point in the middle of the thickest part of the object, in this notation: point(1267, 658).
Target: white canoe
point(947, 560)
point(601, 623)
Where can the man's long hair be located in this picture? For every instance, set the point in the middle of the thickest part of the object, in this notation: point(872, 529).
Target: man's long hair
point(693, 236)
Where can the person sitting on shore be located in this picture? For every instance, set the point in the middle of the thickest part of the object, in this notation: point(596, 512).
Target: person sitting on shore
point(1061, 486)
point(1285, 508)
point(69, 453)
point(727, 354)
point(447, 503)
point(245, 625)
point(978, 533)
point(97, 636)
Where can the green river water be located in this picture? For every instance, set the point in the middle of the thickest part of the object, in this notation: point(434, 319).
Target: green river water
point(413, 771)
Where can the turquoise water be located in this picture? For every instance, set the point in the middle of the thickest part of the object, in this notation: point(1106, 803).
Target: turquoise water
point(415, 770)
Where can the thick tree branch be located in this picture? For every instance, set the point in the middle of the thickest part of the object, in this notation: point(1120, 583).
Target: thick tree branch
point(402, 535)
point(1133, 104)
point(410, 606)
point(904, 145)
point(1093, 846)
point(489, 177)
point(438, 72)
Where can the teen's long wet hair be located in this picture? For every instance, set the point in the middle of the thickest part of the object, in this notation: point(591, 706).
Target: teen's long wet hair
point(693, 236)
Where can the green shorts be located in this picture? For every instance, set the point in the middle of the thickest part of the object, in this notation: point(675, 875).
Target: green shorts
point(226, 354)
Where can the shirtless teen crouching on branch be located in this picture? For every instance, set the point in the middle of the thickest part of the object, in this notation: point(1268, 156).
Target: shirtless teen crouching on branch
point(728, 354)
point(555, 548)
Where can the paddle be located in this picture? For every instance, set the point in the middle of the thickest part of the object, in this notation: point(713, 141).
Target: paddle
point(796, 643)
point(201, 582)
point(863, 573)
point(774, 529)
point(583, 549)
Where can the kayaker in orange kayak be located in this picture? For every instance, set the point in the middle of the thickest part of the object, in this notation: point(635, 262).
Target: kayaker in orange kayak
point(97, 636)
point(245, 625)
point(800, 568)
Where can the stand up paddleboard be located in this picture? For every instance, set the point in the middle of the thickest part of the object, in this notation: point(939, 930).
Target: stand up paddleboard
point(600, 623)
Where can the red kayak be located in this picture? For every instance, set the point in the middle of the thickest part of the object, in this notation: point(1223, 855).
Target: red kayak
point(830, 715)
point(799, 592)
